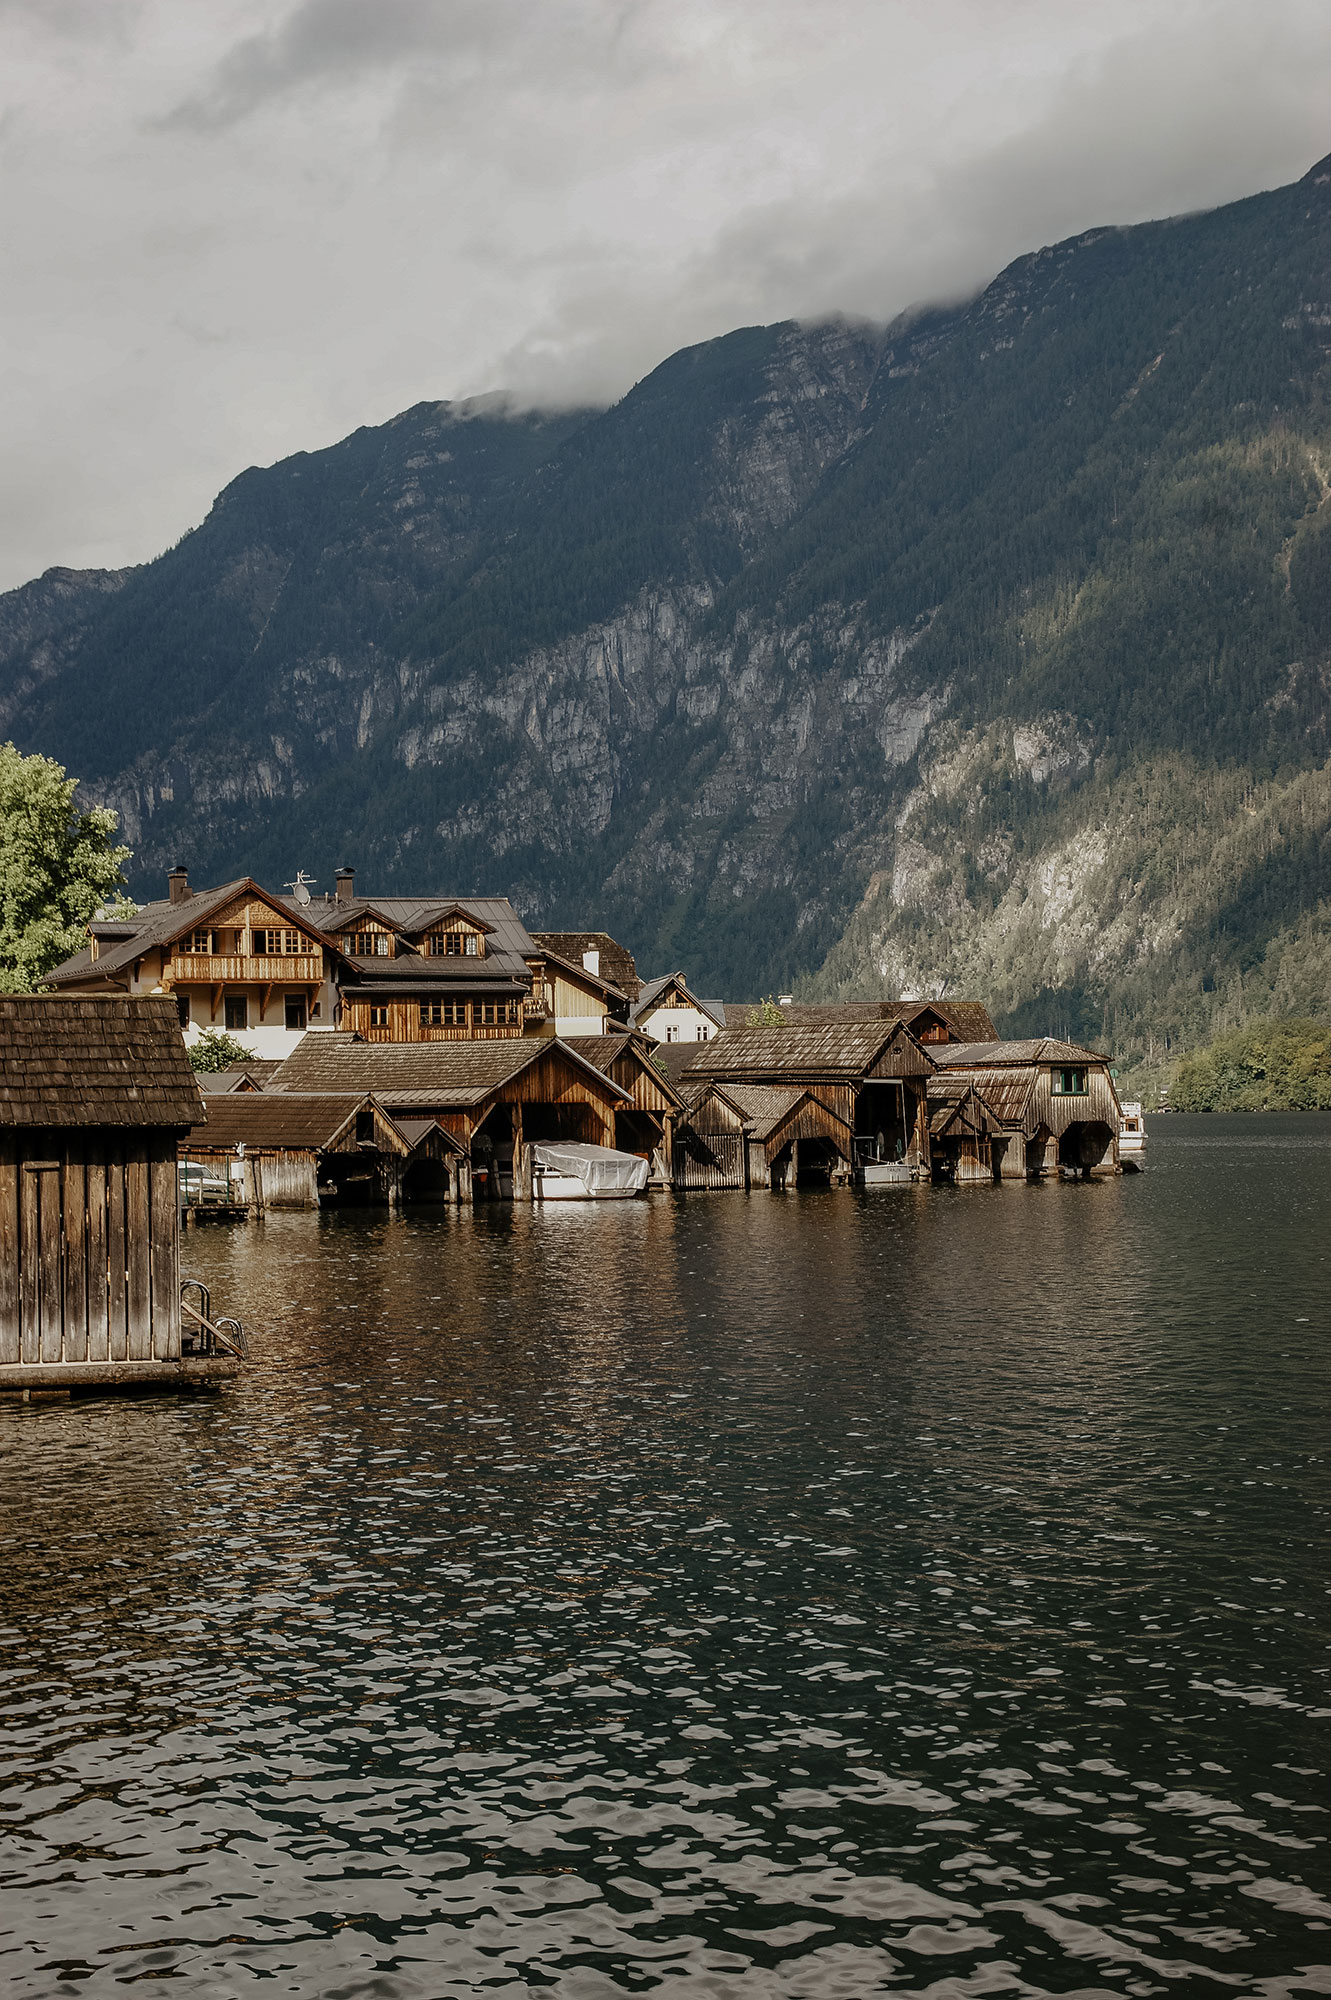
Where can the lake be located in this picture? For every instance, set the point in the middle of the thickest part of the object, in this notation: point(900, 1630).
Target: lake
point(916, 1592)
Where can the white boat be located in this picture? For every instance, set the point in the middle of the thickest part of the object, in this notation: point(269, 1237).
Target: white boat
point(1131, 1136)
point(575, 1172)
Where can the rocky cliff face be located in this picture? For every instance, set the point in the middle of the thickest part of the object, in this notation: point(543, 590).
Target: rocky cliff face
point(990, 650)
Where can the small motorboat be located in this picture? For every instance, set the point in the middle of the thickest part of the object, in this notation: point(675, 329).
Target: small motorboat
point(1131, 1137)
point(575, 1172)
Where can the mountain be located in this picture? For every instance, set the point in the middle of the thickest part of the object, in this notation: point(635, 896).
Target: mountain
point(989, 651)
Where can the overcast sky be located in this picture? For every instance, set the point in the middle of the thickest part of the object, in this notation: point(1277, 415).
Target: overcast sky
point(233, 229)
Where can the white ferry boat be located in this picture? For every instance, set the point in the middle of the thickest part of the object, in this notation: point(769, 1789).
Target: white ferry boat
point(1131, 1136)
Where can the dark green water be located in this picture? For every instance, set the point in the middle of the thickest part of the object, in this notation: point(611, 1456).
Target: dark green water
point(917, 1592)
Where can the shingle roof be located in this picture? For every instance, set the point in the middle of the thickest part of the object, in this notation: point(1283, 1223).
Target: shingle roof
point(968, 1020)
point(603, 1051)
point(301, 1121)
point(764, 1105)
point(843, 1051)
point(1042, 1049)
point(616, 961)
point(442, 1073)
point(94, 1059)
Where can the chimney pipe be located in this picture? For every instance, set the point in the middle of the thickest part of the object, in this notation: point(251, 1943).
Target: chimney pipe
point(345, 879)
point(177, 884)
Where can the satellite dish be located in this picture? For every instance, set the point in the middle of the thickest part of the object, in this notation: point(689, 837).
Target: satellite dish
point(300, 888)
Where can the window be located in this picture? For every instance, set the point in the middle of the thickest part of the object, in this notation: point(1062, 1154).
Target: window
point(237, 1013)
point(182, 1008)
point(498, 1013)
point(672, 1034)
point(369, 944)
point(198, 941)
point(364, 1128)
point(931, 1031)
point(452, 944)
point(702, 1034)
point(277, 943)
point(378, 1017)
point(432, 1013)
point(295, 1013)
point(1068, 1082)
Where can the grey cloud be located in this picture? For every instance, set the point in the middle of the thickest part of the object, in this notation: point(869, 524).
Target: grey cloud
point(243, 228)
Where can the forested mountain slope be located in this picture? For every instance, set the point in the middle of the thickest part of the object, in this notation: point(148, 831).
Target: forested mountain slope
point(992, 648)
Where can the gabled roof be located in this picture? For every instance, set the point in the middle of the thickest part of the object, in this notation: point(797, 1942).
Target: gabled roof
point(351, 916)
point(957, 1107)
point(258, 1073)
point(652, 990)
point(967, 1020)
point(460, 1074)
point(572, 969)
point(842, 1053)
point(422, 921)
point(616, 960)
point(766, 1106)
point(607, 1050)
point(302, 1121)
point(162, 923)
point(1042, 1049)
point(94, 1059)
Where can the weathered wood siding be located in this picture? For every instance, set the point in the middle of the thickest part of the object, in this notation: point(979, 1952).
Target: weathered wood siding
point(709, 1160)
point(89, 1246)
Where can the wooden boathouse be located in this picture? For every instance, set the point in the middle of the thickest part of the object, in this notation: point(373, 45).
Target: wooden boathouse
point(95, 1092)
point(1054, 1105)
point(299, 1149)
point(493, 1098)
point(855, 1094)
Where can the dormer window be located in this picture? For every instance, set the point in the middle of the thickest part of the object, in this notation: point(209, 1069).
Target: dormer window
point(369, 944)
point(1068, 1082)
point(931, 1031)
point(453, 944)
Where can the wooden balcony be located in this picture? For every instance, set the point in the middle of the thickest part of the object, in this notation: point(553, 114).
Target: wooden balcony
point(188, 968)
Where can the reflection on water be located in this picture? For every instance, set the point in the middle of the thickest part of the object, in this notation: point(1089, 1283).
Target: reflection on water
point(916, 1592)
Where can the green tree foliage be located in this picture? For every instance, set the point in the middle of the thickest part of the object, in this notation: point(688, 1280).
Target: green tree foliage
point(57, 866)
point(767, 1014)
point(1267, 1066)
point(214, 1050)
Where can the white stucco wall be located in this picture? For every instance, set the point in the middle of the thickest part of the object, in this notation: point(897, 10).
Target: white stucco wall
point(690, 1024)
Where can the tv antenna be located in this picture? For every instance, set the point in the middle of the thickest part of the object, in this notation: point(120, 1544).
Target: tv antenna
point(300, 888)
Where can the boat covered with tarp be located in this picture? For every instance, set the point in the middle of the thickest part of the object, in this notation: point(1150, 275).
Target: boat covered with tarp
point(574, 1172)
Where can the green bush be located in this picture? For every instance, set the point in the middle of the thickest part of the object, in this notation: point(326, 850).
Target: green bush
point(214, 1051)
point(1269, 1066)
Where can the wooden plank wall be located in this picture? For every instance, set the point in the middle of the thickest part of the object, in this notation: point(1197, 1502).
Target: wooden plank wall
point(89, 1247)
point(710, 1160)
